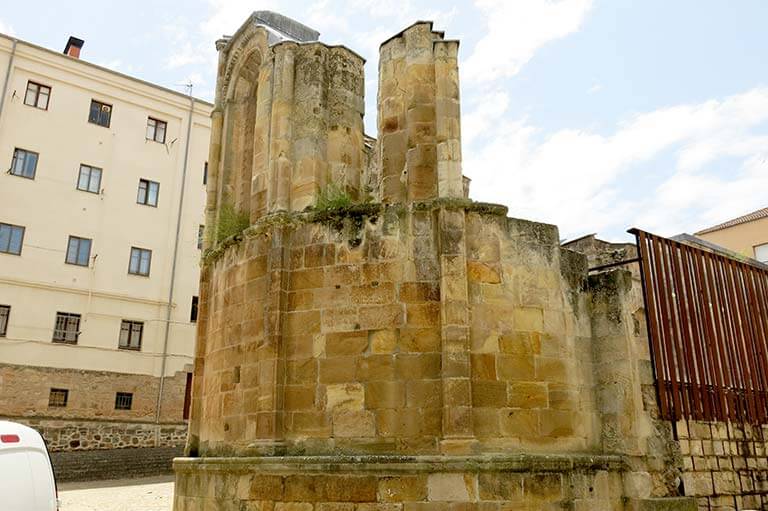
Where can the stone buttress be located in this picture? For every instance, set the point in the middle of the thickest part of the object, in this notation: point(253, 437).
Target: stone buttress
point(401, 347)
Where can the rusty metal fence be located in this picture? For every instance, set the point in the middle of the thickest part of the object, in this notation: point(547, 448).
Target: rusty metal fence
point(708, 324)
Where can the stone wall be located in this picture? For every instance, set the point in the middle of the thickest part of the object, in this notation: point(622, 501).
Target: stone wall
point(113, 463)
point(80, 435)
point(530, 351)
point(370, 322)
point(725, 465)
point(24, 392)
point(522, 483)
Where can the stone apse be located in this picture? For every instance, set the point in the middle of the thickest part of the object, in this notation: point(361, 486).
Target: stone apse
point(400, 346)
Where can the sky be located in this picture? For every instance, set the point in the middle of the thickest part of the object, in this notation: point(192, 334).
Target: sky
point(595, 115)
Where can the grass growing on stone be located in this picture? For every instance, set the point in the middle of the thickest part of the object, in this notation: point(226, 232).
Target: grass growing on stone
point(231, 222)
point(332, 198)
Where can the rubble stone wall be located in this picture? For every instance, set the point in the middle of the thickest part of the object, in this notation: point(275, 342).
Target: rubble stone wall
point(81, 435)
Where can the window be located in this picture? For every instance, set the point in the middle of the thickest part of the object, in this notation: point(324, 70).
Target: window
point(148, 192)
point(205, 173)
point(37, 95)
point(5, 311)
point(187, 397)
point(156, 130)
point(24, 163)
point(193, 312)
point(101, 113)
point(11, 238)
point(89, 179)
point(200, 233)
point(58, 397)
point(123, 400)
point(130, 335)
point(140, 261)
point(761, 253)
point(67, 328)
point(78, 251)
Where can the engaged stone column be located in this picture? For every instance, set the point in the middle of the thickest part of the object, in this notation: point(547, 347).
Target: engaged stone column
point(213, 188)
point(617, 385)
point(448, 120)
point(260, 172)
point(393, 140)
point(454, 315)
point(346, 106)
point(280, 157)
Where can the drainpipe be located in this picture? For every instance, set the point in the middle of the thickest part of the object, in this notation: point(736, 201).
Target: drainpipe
point(175, 254)
point(7, 77)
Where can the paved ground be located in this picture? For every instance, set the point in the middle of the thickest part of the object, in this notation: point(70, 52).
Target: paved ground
point(147, 494)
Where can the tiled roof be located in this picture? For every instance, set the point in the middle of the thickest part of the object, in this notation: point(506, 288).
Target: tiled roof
point(751, 217)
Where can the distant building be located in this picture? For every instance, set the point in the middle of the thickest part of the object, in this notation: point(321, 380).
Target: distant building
point(746, 235)
point(101, 216)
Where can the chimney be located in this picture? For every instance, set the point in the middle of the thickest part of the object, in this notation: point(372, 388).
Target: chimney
point(73, 47)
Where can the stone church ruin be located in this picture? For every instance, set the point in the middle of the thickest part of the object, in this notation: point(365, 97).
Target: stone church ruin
point(372, 339)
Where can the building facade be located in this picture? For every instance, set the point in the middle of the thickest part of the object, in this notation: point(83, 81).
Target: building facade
point(746, 235)
point(101, 218)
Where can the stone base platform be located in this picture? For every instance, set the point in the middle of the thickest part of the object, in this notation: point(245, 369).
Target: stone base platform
point(407, 483)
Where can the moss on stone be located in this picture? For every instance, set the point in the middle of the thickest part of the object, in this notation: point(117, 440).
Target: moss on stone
point(456, 203)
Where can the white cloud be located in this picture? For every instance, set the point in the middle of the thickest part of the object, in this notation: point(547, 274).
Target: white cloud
point(570, 177)
point(516, 29)
point(6, 28)
point(119, 66)
point(185, 55)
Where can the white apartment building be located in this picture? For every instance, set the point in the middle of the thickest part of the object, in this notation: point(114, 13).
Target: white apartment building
point(102, 199)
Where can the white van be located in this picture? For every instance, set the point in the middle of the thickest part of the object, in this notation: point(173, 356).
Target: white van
point(27, 482)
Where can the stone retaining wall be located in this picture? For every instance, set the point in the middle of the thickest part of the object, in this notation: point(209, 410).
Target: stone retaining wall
point(81, 435)
point(113, 463)
point(725, 465)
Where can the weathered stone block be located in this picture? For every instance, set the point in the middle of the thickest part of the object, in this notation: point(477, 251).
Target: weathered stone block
point(448, 487)
point(345, 396)
point(408, 488)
